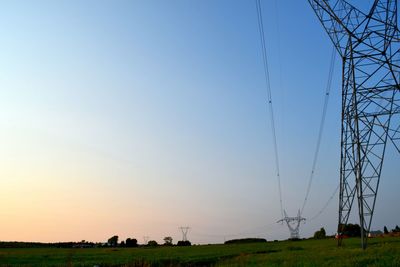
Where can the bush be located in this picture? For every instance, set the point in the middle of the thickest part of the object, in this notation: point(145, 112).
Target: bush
point(113, 241)
point(167, 241)
point(385, 230)
point(152, 243)
point(246, 241)
point(350, 230)
point(184, 243)
point(131, 243)
point(321, 234)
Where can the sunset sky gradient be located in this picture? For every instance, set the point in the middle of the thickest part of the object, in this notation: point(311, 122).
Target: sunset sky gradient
point(136, 117)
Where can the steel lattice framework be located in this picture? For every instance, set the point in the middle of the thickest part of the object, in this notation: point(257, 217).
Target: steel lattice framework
point(293, 224)
point(369, 46)
point(184, 230)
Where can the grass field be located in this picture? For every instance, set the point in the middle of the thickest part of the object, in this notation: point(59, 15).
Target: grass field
point(381, 252)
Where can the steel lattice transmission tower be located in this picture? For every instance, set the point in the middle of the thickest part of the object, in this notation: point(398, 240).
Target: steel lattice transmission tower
point(184, 230)
point(293, 224)
point(369, 46)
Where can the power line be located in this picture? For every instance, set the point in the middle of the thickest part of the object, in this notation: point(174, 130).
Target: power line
point(278, 33)
point(321, 127)
point(248, 232)
point(326, 204)
point(269, 98)
point(272, 117)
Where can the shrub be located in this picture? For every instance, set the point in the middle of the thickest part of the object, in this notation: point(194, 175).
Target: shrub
point(321, 234)
point(152, 243)
point(246, 241)
point(184, 243)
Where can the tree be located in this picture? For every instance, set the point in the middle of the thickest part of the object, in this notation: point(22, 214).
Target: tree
point(152, 243)
point(131, 242)
point(350, 230)
point(113, 241)
point(321, 234)
point(246, 241)
point(184, 243)
point(168, 241)
point(385, 230)
point(396, 229)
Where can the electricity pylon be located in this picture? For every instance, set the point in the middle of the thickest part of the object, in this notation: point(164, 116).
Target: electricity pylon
point(293, 224)
point(184, 230)
point(369, 46)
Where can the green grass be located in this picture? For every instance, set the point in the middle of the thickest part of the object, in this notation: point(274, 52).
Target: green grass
point(381, 252)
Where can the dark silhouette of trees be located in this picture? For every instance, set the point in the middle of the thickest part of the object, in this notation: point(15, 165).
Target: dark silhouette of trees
point(152, 243)
point(385, 230)
point(167, 241)
point(131, 243)
point(113, 241)
point(184, 243)
point(246, 241)
point(321, 234)
point(396, 229)
point(351, 230)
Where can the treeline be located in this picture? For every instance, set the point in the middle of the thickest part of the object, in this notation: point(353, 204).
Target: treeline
point(396, 230)
point(132, 242)
point(245, 241)
point(350, 230)
point(354, 230)
point(111, 242)
point(15, 244)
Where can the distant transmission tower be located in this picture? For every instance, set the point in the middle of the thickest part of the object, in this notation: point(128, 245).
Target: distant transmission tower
point(184, 230)
point(369, 47)
point(293, 224)
point(145, 240)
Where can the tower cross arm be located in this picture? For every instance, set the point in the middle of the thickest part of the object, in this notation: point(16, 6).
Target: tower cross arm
point(340, 19)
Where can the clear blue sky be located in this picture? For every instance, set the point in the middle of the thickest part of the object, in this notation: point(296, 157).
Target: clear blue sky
point(137, 117)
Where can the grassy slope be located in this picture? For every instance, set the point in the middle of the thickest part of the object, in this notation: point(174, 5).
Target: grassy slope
point(381, 252)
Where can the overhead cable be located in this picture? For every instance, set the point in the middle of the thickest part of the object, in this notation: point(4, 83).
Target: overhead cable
point(269, 98)
point(321, 127)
